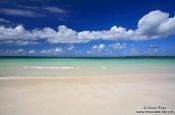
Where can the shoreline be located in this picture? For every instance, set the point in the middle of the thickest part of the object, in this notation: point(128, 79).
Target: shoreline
point(90, 76)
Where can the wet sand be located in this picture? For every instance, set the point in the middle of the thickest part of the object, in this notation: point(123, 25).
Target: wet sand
point(112, 95)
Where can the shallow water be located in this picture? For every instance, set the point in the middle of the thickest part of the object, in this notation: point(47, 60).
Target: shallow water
point(60, 67)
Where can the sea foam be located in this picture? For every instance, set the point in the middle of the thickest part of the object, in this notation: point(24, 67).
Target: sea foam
point(48, 67)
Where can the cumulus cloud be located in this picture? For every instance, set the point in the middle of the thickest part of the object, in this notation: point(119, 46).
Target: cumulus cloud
point(71, 47)
point(154, 25)
point(7, 33)
point(101, 46)
point(153, 46)
point(134, 51)
point(117, 46)
point(20, 50)
point(98, 48)
point(18, 42)
point(32, 51)
point(11, 52)
point(52, 51)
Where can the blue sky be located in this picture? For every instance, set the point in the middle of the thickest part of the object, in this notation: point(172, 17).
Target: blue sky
point(87, 27)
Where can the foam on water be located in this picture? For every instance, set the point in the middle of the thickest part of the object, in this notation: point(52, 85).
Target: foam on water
point(104, 67)
point(45, 67)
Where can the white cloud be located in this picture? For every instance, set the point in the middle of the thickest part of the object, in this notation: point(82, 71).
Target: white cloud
point(14, 33)
point(101, 46)
point(154, 25)
point(94, 47)
point(32, 11)
point(58, 50)
point(117, 46)
point(71, 47)
point(19, 42)
point(55, 10)
point(153, 46)
point(18, 12)
point(10, 52)
point(2, 20)
point(53, 51)
point(20, 51)
point(98, 48)
point(32, 51)
point(63, 35)
point(134, 51)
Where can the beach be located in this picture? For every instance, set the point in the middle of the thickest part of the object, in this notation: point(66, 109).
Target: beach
point(87, 57)
point(114, 93)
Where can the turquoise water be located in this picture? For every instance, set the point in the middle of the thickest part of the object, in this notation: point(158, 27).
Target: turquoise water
point(59, 67)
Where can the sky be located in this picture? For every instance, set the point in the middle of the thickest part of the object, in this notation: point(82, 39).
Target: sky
point(87, 28)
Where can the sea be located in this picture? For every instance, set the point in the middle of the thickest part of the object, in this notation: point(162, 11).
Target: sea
point(85, 66)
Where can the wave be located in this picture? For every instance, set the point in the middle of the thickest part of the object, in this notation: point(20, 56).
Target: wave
point(48, 67)
point(103, 67)
point(64, 67)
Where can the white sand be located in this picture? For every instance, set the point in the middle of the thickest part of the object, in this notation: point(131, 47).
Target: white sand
point(117, 95)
